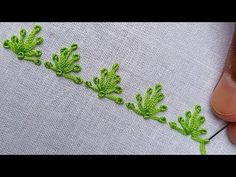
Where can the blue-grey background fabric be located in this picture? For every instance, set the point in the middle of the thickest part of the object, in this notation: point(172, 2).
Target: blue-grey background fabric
point(44, 114)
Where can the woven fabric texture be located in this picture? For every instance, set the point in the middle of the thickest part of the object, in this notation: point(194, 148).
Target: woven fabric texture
point(41, 113)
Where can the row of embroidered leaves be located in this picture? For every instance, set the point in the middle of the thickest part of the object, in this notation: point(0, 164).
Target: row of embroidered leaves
point(107, 86)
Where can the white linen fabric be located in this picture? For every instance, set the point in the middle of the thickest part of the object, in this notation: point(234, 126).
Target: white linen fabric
point(41, 113)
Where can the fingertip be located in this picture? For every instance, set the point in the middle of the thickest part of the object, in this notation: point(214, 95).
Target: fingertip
point(232, 132)
point(223, 99)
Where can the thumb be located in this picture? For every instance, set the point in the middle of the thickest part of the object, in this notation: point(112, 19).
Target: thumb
point(223, 101)
point(232, 132)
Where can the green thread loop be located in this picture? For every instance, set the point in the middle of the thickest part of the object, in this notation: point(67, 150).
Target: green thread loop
point(191, 125)
point(23, 47)
point(64, 65)
point(147, 106)
point(107, 85)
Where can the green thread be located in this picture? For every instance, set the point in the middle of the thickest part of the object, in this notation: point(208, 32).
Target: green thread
point(147, 107)
point(191, 125)
point(64, 65)
point(24, 48)
point(203, 148)
point(107, 85)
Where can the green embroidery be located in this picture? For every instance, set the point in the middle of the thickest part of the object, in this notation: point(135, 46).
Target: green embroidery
point(64, 64)
point(24, 48)
point(147, 107)
point(107, 84)
point(191, 125)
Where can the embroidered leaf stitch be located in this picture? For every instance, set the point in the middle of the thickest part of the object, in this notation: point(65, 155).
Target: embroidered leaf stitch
point(147, 106)
point(107, 85)
point(64, 65)
point(191, 125)
point(25, 48)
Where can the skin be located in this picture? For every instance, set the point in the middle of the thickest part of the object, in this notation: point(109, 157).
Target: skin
point(223, 100)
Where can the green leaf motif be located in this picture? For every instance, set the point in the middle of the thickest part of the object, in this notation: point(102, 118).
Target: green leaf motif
point(24, 48)
point(107, 85)
point(147, 106)
point(64, 65)
point(191, 125)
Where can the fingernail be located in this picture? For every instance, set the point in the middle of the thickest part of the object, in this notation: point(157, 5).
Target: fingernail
point(232, 132)
point(223, 99)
